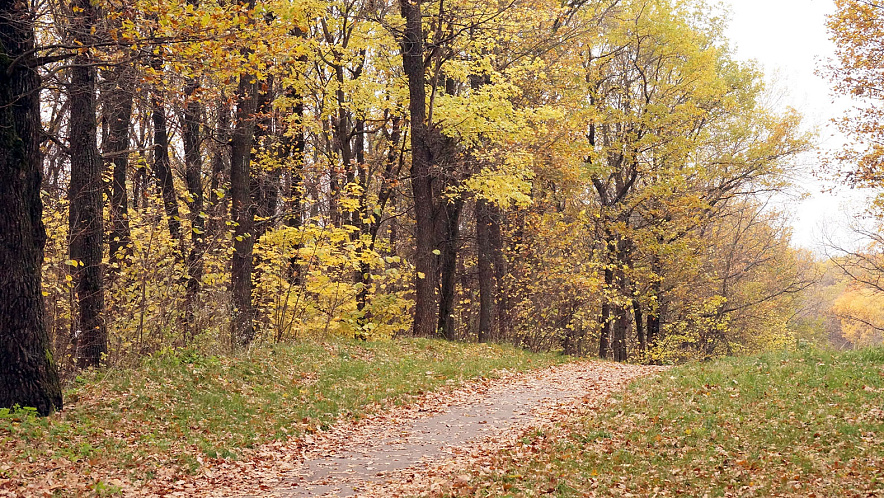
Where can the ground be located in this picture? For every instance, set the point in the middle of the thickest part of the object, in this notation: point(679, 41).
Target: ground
point(422, 447)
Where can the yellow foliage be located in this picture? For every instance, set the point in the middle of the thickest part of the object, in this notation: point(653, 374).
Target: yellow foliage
point(861, 310)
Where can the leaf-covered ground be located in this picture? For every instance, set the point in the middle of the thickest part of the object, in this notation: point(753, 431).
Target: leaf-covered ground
point(786, 424)
point(406, 450)
point(182, 417)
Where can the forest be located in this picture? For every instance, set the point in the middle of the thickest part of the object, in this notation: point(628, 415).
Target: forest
point(590, 176)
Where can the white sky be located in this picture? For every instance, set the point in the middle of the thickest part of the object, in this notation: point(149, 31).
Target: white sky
point(789, 39)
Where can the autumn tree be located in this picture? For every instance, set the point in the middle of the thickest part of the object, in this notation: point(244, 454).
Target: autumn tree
point(28, 374)
point(86, 217)
point(856, 28)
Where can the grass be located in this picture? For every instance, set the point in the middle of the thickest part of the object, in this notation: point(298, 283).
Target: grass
point(809, 423)
point(181, 408)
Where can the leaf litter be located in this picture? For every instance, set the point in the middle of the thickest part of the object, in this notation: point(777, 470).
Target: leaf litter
point(429, 446)
point(426, 447)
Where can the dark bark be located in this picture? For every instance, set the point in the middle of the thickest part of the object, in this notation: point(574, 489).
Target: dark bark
point(294, 143)
point(28, 375)
point(486, 274)
point(425, 302)
point(448, 268)
point(85, 198)
point(265, 184)
point(619, 331)
point(139, 186)
point(639, 325)
point(334, 189)
point(190, 134)
point(243, 211)
point(605, 319)
point(620, 328)
point(119, 117)
point(500, 270)
point(220, 169)
point(652, 331)
point(162, 167)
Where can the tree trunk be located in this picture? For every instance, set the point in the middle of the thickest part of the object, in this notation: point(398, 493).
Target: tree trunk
point(28, 375)
point(622, 312)
point(486, 275)
point(85, 198)
point(194, 177)
point(500, 270)
point(448, 268)
point(652, 330)
point(139, 186)
point(639, 325)
point(605, 319)
point(294, 144)
point(265, 183)
point(162, 167)
point(119, 116)
point(425, 299)
point(243, 212)
point(220, 169)
point(619, 332)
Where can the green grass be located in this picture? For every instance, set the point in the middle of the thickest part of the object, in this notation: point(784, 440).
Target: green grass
point(181, 408)
point(782, 424)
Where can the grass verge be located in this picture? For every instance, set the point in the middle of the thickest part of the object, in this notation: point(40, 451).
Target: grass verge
point(804, 424)
point(181, 408)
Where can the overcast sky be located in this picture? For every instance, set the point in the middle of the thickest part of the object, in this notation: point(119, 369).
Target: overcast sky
point(789, 39)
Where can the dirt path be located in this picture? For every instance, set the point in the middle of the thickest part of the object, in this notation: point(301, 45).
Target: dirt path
point(418, 449)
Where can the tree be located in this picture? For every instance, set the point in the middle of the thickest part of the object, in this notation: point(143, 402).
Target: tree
point(242, 206)
point(857, 29)
point(28, 375)
point(425, 298)
point(118, 113)
point(85, 192)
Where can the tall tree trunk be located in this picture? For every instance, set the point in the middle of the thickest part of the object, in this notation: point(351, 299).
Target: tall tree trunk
point(294, 144)
point(653, 316)
point(605, 319)
point(265, 184)
point(425, 299)
point(84, 196)
point(486, 275)
point(220, 168)
point(119, 116)
point(243, 210)
point(619, 332)
point(363, 275)
point(162, 167)
point(495, 217)
point(448, 268)
point(622, 311)
point(194, 177)
point(640, 325)
point(139, 186)
point(28, 375)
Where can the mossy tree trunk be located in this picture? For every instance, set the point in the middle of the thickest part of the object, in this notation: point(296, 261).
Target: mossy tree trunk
point(28, 376)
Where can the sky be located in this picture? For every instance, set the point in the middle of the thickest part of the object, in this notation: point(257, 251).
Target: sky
point(789, 39)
